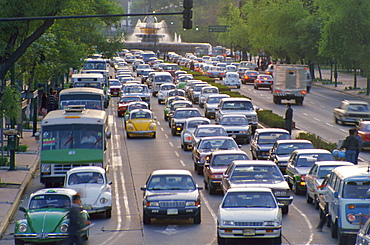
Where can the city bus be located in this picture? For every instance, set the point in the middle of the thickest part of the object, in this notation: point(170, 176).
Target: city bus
point(92, 80)
point(92, 98)
point(70, 138)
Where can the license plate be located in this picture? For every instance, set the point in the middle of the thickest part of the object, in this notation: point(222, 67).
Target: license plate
point(42, 235)
point(172, 211)
point(249, 232)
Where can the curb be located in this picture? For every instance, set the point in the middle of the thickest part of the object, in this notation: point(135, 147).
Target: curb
point(13, 208)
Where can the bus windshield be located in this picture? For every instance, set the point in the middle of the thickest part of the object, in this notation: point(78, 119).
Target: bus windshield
point(75, 136)
point(91, 101)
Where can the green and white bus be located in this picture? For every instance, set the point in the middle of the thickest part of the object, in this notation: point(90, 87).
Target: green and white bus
point(91, 98)
point(71, 138)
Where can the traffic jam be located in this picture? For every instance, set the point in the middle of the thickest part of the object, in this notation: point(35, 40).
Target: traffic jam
point(257, 170)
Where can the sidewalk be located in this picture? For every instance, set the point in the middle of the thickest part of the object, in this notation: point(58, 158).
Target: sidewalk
point(14, 183)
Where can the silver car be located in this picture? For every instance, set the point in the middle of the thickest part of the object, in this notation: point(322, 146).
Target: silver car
point(189, 128)
point(212, 103)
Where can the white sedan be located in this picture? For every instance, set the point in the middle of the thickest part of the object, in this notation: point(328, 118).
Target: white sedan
point(249, 213)
point(95, 190)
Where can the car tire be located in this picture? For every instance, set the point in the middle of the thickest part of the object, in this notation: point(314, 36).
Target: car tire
point(220, 240)
point(333, 229)
point(336, 120)
point(285, 209)
point(173, 132)
point(146, 219)
point(19, 242)
point(255, 87)
point(342, 239)
point(108, 213)
point(197, 219)
point(128, 136)
point(316, 202)
point(200, 170)
point(195, 167)
point(211, 190)
point(296, 189)
point(277, 240)
point(308, 198)
point(154, 135)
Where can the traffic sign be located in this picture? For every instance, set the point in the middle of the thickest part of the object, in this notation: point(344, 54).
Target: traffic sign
point(217, 28)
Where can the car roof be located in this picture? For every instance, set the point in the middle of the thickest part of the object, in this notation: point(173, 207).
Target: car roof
point(86, 169)
point(293, 141)
point(55, 191)
point(228, 152)
point(250, 189)
point(253, 163)
point(210, 126)
point(145, 110)
point(171, 171)
point(310, 151)
point(269, 130)
point(353, 171)
point(216, 138)
point(233, 115)
point(187, 109)
point(356, 102)
point(328, 163)
point(219, 95)
point(236, 99)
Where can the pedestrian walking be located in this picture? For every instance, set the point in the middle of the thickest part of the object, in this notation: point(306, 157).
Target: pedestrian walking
point(76, 222)
point(360, 142)
point(351, 145)
point(51, 101)
point(288, 117)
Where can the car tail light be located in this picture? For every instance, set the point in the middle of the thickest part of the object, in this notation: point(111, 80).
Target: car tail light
point(189, 138)
point(246, 77)
point(303, 177)
point(259, 81)
point(304, 92)
point(221, 73)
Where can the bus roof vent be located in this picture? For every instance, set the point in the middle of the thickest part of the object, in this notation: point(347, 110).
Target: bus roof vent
point(74, 108)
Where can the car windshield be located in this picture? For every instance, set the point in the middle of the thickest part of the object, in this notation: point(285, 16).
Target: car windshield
point(356, 189)
point(135, 89)
point(234, 121)
point(232, 76)
point(325, 170)
point(307, 160)
point(195, 123)
point(167, 87)
point(243, 105)
point(225, 160)
point(214, 100)
point(271, 138)
point(85, 178)
point(256, 174)
point(358, 108)
point(210, 131)
point(50, 201)
point(171, 182)
point(186, 114)
point(129, 99)
point(141, 115)
point(284, 149)
point(221, 144)
point(249, 200)
point(114, 83)
point(180, 105)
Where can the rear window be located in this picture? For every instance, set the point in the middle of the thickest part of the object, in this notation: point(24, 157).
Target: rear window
point(356, 189)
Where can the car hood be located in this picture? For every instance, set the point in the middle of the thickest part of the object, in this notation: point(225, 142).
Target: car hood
point(283, 158)
point(115, 86)
point(249, 214)
point(140, 124)
point(160, 195)
point(46, 221)
point(303, 170)
point(218, 169)
point(211, 106)
point(265, 147)
point(236, 127)
point(89, 192)
point(240, 112)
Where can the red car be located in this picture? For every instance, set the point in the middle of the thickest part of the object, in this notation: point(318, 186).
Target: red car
point(123, 102)
point(216, 165)
point(364, 132)
point(263, 81)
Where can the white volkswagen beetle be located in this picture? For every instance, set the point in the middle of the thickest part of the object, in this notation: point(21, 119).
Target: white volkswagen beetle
point(231, 79)
point(92, 185)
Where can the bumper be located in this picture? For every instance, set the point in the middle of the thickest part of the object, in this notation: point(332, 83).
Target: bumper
point(250, 232)
point(41, 237)
point(92, 210)
point(215, 184)
point(141, 133)
point(285, 200)
point(262, 155)
point(172, 213)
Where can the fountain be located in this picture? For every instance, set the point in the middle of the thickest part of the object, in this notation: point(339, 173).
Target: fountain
point(150, 34)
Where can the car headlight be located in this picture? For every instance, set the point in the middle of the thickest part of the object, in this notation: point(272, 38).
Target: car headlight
point(152, 127)
point(269, 223)
point(45, 168)
point(351, 217)
point(190, 203)
point(152, 204)
point(282, 193)
point(22, 227)
point(103, 200)
point(216, 176)
point(130, 127)
point(178, 124)
point(64, 228)
point(228, 222)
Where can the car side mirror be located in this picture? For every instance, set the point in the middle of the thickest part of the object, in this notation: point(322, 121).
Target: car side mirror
point(110, 183)
point(155, 118)
point(22, 209)
point(206, 165)
point(280, 205)
point(143, 188)
point(108, 134)
point(226, 176)
point(335, 193)
point(200, 188)
point(240, 146)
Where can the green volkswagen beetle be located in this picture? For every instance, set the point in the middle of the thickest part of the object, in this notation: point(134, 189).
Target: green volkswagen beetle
point(167, 104)
point(46, 218)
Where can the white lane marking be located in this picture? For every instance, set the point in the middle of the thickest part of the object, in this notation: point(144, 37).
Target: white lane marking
point(177, 154)
point(214, 216)
point(330, 125)
point(305, 114)
point(162, 129)
point(165, 135)
point(158, 122)
point(317, 119)
point(182, 163)
point(170, 230)
point(322, 106)
point(343, 130)
point(110, 120)
point(170, 143)
point(307, 221)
